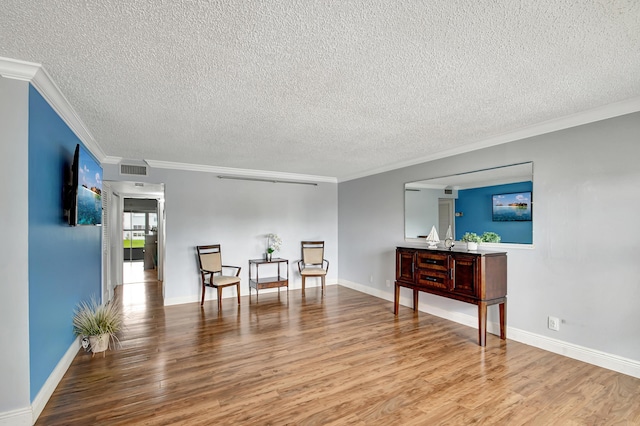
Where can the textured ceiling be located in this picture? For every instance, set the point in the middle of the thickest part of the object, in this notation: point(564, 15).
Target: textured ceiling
point(318, 87)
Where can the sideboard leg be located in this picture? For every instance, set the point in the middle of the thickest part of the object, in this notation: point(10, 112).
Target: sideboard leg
point(482, 323)
point(396, 300)
point(415, 299)
point(503, 320)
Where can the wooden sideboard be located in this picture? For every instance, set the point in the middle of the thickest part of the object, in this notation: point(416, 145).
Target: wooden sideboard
point(478, 277)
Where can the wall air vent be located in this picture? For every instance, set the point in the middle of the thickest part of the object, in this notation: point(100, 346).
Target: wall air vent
point(448, 191)
point(131, 169)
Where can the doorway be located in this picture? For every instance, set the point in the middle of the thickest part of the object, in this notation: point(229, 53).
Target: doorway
point(139, 239)
point(446, 207)
point(136, 233)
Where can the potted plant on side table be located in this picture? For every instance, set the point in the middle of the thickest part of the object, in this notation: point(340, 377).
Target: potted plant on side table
point(98, 323)
point(273, 244)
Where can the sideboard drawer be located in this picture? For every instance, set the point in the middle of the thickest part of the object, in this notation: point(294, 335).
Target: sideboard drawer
point(432, 261)
point(433, 279)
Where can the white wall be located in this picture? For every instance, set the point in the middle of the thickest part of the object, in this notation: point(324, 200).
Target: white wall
point(202, 209)
point(584, 267)
point(14, 252)
point(421, 211)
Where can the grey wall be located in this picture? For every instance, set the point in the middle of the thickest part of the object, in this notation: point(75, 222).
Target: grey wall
point(583, 267)
point(14, 250)
point(202, 209)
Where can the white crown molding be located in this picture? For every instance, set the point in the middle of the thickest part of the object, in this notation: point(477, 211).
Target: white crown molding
point(109, 159)
point(18, 70)
point(40, 79)
point(229, 171)
point(38, 76)
point(628, 106)
point(51, 92)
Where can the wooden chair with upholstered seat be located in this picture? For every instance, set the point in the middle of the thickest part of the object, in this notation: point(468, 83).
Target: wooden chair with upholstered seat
point(210, 263)
point(313, 263)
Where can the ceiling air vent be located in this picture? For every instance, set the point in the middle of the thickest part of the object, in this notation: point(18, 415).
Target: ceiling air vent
point(131, 169)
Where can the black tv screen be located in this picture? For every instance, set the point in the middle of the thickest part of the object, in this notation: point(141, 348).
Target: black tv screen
point(86, 190)
point(512, 207)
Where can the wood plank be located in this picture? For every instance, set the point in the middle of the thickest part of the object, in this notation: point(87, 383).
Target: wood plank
point(339, 359)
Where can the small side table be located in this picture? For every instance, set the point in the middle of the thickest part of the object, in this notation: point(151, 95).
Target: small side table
point(260, 283)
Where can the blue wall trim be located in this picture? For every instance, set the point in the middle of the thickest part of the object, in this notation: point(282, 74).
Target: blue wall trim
point(476, 206)
point(64, 262)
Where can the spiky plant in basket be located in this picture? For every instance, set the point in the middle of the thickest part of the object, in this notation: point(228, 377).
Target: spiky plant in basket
point(98, 323)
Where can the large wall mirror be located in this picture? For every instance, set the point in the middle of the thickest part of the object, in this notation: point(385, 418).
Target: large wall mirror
point(496, 200)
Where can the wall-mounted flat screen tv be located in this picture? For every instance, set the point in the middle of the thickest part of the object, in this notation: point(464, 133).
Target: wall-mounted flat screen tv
point(512, 207)
point(86, 190)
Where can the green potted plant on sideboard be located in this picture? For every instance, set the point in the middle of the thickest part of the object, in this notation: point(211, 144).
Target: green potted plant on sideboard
point(490, 237)
point(472, 239)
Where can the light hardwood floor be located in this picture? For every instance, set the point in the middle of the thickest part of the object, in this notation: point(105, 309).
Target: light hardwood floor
point(341, 359)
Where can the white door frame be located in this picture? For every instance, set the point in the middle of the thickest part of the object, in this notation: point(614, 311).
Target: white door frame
point(107, 286)
point(450, 203)
point(115, 227)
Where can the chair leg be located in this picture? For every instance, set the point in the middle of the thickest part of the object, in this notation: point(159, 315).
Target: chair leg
point(303, 279)
point(238, 291)
point(219, 299)
point(322, 278)
point(203, 289)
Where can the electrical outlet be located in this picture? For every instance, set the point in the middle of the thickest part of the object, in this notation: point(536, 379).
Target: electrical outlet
point(388, 283)
point(554, 324)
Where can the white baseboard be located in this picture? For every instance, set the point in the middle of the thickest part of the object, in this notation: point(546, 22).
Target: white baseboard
point(591, 356)
point(212, 295)
point(56, 375)
point(21, 417)
point(29, 415)
point(184, 299)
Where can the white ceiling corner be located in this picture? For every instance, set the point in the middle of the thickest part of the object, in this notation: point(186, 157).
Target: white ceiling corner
point(323, 90)
point(40, 79)
point(18, 70)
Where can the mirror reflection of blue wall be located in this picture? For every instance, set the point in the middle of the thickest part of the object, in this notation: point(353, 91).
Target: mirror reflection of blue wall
point(476, 206)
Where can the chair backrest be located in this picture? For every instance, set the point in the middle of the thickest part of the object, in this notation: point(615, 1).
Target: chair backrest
point(312, 252)
point(210, 257)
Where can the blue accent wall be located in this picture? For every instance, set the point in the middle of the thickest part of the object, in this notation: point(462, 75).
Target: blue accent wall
point(476, 206)
point(64, 262)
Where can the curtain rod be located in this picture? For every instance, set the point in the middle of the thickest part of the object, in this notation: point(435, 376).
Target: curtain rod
point(268, 180)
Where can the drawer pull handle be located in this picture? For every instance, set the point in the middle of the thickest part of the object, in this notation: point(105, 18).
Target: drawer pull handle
point(431, 261)
point(434, 280)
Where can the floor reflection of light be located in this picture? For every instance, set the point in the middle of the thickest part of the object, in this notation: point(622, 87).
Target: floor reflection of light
point(134, 297)
point(133, 272)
